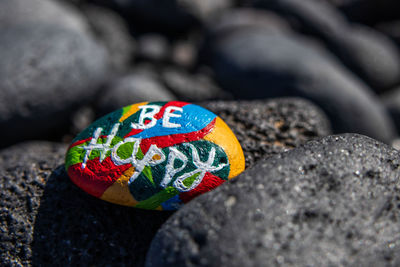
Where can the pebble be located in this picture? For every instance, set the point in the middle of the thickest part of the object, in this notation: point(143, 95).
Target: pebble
point(191, 86)
point(48, 69)
point(133, 87)
point(276, 65)
point(331, 202)
point(154, 155)
point(368, 53)
point(112, 31)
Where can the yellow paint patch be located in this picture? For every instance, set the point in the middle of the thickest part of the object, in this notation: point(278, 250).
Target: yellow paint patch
point(119, 192)
point(134, 108)
point(223, 136)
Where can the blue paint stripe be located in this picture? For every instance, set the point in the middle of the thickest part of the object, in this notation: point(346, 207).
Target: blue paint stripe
point(193, 119)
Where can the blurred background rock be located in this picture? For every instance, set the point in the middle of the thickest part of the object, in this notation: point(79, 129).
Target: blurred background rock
point(64, 63)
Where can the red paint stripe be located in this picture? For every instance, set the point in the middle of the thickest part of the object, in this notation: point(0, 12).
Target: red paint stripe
point(96, 177)
point(173, 139)
point(160, 114)
point(208, 183)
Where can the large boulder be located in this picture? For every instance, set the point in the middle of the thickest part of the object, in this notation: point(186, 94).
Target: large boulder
point(330, 202)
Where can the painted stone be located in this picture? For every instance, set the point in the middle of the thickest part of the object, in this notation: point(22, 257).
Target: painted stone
point(156, 155)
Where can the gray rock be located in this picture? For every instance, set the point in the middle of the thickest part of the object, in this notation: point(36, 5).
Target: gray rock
point(191, 87)
point(47, 70)
point(370, 54)
point(331, 202)
point(254, 63)
point(391, 100)
point(268, 127)
point(132, 88)
point(152, 47)
point(390, 29)
point(46, 220)
point(232, 19)
point(22, 12)
point(112, 30)
point(184, 53)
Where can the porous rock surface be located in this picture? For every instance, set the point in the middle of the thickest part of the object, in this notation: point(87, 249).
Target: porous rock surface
point(268, 127)
point(331, 202)
point(46, 220)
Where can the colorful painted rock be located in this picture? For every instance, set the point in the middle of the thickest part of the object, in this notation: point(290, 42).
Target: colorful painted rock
point(155, 155)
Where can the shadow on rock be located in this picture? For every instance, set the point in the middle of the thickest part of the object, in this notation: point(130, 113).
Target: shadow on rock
point(73, 228)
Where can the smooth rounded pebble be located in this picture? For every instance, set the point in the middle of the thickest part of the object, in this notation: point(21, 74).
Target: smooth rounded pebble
point(47, 70)
point(154, 155)
point(368, 53)
point(131, 88)
point(332, 202)
point(255, 63)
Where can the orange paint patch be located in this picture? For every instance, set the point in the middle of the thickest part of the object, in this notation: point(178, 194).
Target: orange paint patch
point(223, 136)
point(156, 157)
point(134, 108)
point(118, 192)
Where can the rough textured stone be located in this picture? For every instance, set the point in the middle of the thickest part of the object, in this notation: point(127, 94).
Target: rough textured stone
point(132, 88)
point(331, 202)
point(47, 220)
point(47, 70)
point(268, 127)
point(254, 63)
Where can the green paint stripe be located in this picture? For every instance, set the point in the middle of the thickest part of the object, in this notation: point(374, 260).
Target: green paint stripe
point(189, 181)
point(76, 154)
point(154, 201)
point(147, 172)
point(125, 110)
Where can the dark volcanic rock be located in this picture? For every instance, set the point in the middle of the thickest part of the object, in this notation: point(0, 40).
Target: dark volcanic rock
point(269, 127)
point(111, 30)
point(331, 202)
point(46, 220)
point(47, 70)
point(132, 88)
point(370, 54)
point(254, 63)
point(191, 87)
